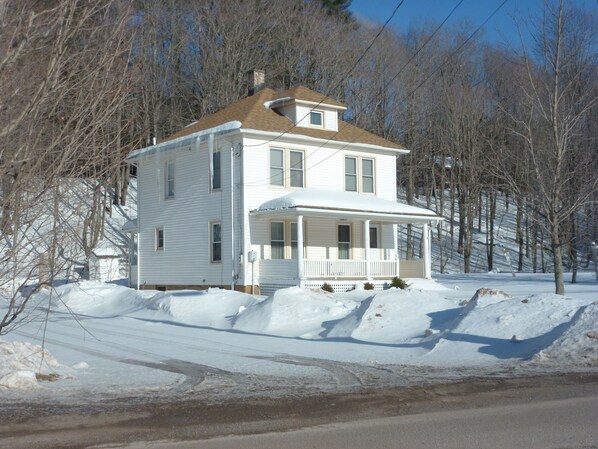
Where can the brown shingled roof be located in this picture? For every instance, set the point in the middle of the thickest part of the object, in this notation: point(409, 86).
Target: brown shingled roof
point(252, 114)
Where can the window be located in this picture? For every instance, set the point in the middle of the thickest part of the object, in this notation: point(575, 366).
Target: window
point(216, 171)
point(277, 239)
point(159, 239)
point(351, 174)
point(374, 244)
point(281, 158)
point(294, 252)
point(216, 242)
point(296, 159)
point(344, 241)
point(276, 167)
point(315, 118)
point(359, 175)
point(169, 180)
point(367, 175)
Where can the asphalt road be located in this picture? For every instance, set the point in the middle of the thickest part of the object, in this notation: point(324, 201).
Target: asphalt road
point(565, 423)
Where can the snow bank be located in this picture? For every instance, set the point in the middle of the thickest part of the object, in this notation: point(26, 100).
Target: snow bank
point(578, 344)
point(214, 307)
point(295, 312)
point(495, 326)
point(19, 363)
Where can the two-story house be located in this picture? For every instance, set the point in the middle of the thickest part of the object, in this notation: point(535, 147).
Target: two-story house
point(272, 191)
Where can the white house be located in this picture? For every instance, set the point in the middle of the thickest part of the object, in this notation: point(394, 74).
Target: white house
point(272, 191)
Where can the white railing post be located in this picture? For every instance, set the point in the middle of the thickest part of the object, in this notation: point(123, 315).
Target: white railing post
point(366, 239)
point(427, 252)
point(300, 249)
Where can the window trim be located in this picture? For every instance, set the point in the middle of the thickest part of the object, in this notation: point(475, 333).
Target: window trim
point(350, 242)
point(167, 164)
point(214, 242)
point(321, 113)
point(359, 173)
point(287, 170)
point(363, 176)
point(356, 174)
point(159, 230)
point(282, 150)
point(212, 171)
point(284, 240)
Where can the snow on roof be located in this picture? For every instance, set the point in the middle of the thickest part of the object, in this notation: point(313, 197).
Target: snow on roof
point(334, 200)
point(130, 226)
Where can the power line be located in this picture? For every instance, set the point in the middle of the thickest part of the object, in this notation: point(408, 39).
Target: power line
point(266, 180)
point(353, 67)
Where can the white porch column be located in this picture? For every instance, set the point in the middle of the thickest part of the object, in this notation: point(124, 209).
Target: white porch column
point(300, 249)
point(427, 252)
point(366, 239)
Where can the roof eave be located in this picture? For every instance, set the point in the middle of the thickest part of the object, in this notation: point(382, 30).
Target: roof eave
point(348, 213)
point(225, 128)
point(317, 140)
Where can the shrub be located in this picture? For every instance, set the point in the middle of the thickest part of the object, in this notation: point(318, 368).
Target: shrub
point(368, 286)
point(397, 282)
point(327, 287)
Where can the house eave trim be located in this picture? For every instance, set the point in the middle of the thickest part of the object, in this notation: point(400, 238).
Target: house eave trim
point(315, 140)
point(348, 213)
point(201, 136)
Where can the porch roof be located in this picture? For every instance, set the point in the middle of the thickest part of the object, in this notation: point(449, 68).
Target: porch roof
point(332, 203)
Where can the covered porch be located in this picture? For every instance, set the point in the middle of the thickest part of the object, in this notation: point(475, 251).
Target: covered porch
point(341, 238)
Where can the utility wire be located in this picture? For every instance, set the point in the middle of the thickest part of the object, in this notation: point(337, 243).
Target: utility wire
point(266, 180)
point(353, 67)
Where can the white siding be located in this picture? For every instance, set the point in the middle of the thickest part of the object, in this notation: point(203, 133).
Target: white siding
point(324, 169)
point(185, 219)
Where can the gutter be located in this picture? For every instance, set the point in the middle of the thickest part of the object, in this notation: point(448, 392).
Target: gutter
point(200, 136)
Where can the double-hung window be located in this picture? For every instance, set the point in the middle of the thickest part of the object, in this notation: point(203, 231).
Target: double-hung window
point(169, 180)
point(296, 166)
point(277, 239)
point(367, 175)
point(276, 167)
point(344, 241)
point(215, 242)
point(351, 174)
point(280, 159)
point(216, 171)
point(359, 175)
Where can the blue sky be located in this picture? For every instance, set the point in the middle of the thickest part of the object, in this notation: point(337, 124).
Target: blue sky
point(412, 12)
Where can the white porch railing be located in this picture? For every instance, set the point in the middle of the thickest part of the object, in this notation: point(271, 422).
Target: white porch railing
point(333, 269)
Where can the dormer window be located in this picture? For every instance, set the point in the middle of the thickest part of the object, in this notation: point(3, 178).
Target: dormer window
point(316, 118)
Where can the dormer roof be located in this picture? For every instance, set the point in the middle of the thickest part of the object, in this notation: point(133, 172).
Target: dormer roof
point(254, 113)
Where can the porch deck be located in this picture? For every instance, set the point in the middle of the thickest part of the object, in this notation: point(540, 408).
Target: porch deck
point(342, 275)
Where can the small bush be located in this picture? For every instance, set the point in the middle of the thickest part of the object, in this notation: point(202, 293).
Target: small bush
point(397, 282)
point(327, 287)
point(368, 286)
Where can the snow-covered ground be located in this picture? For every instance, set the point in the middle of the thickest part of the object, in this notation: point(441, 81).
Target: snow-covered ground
point(105, 340)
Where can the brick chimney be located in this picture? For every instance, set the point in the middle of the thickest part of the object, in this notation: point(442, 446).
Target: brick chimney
point(256, 80)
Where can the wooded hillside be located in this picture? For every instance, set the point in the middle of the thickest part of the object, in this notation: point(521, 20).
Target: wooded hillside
point(83, 82)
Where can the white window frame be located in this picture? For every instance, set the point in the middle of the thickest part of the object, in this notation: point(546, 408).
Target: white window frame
point(286, 173)
point(282, 176)
point(213, 242)
point(284, 234)
point(157, 246)
point(169, 182)
point(212, 165)
point(350, 242)
point(359, 173)
point(356, 174)
point(321, 114)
